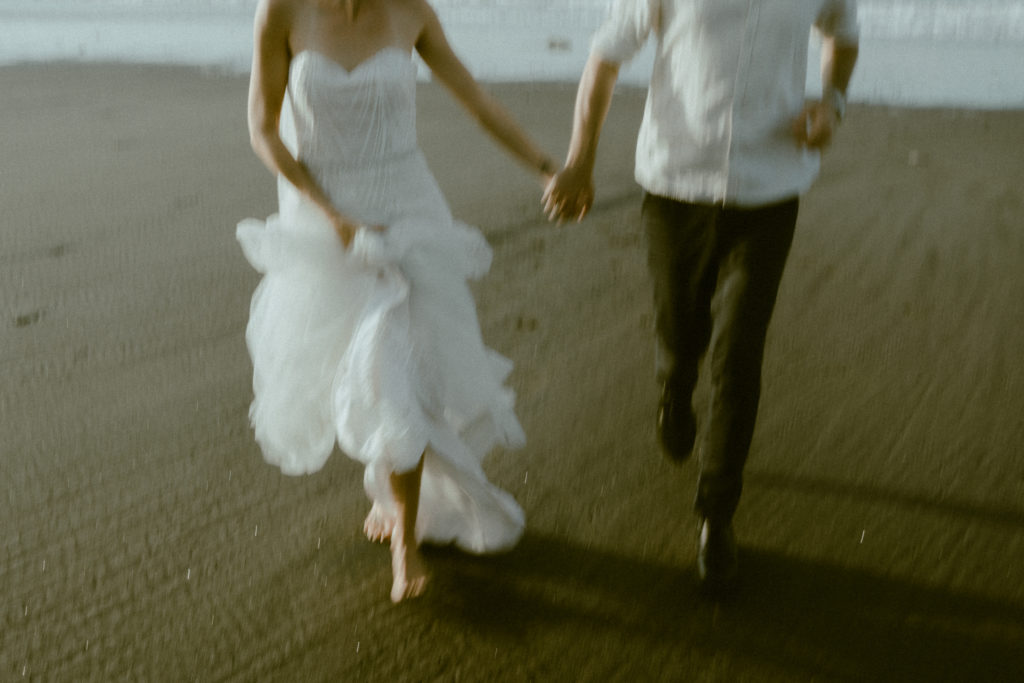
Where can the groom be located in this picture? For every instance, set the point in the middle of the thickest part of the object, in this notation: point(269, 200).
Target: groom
point(726, 148)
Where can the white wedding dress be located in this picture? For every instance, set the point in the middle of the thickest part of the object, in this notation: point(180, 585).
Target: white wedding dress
point(378, 346)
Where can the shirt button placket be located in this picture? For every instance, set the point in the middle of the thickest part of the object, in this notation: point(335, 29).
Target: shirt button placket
point(742, 77)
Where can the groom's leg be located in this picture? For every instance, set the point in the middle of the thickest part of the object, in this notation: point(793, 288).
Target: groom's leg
point(755, 246)
point(681, 245)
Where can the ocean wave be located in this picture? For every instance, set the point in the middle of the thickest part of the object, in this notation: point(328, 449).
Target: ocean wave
point(939, 20)
point(943, 20)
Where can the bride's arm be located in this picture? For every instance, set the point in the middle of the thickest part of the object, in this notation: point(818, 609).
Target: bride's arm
point(270, 61)
point(433, 47)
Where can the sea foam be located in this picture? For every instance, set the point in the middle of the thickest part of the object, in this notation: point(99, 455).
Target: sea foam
point(913, 52)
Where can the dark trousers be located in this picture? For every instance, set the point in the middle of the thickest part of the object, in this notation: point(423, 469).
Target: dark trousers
point(716, 272)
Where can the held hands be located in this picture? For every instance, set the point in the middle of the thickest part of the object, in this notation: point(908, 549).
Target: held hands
point(569, 194)
point(815, 125)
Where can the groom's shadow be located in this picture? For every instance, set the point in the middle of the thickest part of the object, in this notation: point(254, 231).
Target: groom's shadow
point(808, 619)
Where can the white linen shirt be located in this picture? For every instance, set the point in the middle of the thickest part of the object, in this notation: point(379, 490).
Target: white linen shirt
point(728, 80)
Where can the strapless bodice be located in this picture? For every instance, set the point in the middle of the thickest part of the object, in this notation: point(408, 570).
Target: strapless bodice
point(337, 118)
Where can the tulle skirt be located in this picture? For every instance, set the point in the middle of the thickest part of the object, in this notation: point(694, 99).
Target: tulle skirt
point(378, 348)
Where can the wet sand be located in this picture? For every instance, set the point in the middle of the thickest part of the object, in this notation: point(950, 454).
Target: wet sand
point(143, 538)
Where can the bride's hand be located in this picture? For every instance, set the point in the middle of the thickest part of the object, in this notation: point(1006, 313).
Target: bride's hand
point(346, 229)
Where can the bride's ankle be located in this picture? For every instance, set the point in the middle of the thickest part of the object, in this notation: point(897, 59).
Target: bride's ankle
point(401, 539)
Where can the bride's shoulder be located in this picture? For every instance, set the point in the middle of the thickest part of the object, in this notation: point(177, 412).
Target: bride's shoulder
point(274, 19)
point(416, 12)
point(420, 8)
point(279, 9)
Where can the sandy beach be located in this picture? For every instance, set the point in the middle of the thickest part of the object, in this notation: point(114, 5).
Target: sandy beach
point(143, 538)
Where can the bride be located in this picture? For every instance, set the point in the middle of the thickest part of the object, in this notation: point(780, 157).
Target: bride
point(363, 329)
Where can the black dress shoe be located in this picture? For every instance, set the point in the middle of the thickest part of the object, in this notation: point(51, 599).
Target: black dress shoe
point(677, 428)
point(717, 565)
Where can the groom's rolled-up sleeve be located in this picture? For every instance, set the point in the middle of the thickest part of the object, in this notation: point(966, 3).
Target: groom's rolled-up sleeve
point(838, 19)
point(625, 29)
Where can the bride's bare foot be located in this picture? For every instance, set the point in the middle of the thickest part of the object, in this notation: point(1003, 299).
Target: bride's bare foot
point(406, 564)
point(378, 525)
point(408, 569)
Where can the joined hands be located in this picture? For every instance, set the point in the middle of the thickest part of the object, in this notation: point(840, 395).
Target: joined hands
point(568, 195)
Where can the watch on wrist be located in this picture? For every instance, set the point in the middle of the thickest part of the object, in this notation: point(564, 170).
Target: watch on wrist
point(838, 101)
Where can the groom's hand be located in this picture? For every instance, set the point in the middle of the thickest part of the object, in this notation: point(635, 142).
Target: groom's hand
point(815, 125)
point(568, 195)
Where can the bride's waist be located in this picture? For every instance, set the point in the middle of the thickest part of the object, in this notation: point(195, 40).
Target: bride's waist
point(380, 192)
point(347, 164)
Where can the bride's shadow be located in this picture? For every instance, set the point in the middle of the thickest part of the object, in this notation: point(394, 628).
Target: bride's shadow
point(808, 619)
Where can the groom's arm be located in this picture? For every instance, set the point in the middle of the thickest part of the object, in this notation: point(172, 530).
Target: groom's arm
point(570, 194)
point(817, 122)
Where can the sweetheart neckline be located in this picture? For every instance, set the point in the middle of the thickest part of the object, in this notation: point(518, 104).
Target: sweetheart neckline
point(360, 65)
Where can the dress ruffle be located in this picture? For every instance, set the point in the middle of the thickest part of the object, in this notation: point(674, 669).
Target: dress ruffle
point(377, 347)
